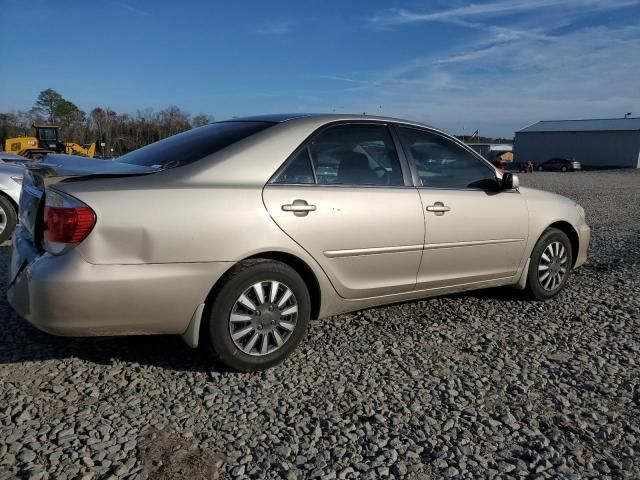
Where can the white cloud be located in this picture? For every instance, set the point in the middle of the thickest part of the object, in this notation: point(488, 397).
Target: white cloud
point(338, 78)
point(277, 28)
point(135, 10)
point(397, 16)
point(545, 65)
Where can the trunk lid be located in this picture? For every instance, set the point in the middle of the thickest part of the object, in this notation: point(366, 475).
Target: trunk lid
point(57, 168)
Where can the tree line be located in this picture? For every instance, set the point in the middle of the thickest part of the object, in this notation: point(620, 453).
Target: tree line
point(121, 132)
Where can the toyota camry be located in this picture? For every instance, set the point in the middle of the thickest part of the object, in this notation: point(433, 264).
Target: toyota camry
point(234, 235)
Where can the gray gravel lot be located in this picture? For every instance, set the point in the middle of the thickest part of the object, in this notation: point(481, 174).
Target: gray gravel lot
point(480, 385)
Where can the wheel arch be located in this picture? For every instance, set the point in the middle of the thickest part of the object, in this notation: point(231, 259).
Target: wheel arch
point(303, 269)
point(10, 200)
point(193, 334)
point(570, 232)
point(9, 229)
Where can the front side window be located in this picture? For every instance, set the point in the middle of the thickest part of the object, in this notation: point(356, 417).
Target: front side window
point(441, 163)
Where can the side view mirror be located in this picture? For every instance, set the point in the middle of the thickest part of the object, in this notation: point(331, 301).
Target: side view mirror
point(510, 181)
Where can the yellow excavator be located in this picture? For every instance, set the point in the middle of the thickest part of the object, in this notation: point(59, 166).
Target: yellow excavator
point(45, 142)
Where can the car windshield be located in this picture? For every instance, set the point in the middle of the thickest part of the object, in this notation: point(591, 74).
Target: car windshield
point(190, 146)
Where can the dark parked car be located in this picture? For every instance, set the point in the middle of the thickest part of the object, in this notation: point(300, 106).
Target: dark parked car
point(560, 165)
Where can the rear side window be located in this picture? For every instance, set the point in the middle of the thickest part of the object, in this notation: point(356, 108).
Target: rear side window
point(299, 170)
point(356, 155)
point(190, 146)
point(350, 154)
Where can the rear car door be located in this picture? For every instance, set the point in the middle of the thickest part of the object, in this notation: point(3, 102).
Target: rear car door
point(473, 231)
point(344, 197)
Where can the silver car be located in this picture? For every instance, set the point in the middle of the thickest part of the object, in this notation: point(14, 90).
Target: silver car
point(235, 234)
point(11, 173)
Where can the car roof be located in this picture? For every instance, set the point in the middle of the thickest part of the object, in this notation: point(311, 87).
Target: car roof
point(328, 117)
point(270, 117)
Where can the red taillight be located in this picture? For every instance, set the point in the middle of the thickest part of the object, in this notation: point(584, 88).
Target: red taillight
point(67, 221)
point(68, 224)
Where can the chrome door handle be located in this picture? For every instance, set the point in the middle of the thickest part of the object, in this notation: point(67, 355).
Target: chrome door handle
point(300, 208)
point(438, 208)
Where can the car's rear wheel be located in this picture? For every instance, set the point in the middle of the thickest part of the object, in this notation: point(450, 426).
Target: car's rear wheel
point(550, 264)
point(259, 315)
point(564, 169)
point(8, 219)
point(541, 169)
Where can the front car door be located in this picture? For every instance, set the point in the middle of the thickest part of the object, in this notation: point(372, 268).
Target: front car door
point(344, 197)
point(474, 232)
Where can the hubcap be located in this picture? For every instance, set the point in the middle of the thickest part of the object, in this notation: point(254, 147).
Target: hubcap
point(553, 266)
point(263, 318)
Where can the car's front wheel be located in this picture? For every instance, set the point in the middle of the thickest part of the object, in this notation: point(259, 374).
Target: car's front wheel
point(550, 264)
point(8, 219)
point(259, 315)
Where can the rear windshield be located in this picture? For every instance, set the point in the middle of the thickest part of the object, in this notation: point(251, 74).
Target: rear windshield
point(190, 146)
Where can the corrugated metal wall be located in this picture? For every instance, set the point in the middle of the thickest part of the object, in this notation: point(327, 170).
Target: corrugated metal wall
point(592, 149)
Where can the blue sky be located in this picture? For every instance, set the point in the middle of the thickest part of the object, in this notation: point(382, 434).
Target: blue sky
point(496, 65)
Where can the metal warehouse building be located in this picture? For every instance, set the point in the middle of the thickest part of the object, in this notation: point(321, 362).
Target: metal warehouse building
point(608, 142)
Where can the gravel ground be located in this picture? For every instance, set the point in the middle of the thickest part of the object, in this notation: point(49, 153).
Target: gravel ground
point(479, 385)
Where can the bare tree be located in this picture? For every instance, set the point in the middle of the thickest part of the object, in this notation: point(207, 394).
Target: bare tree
point(201, 119)
point(121, 131)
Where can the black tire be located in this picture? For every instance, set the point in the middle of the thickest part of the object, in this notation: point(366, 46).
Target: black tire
point(9, 215)
point(541, 169)
point(564, 169)
point(235, 283)
point(535, 286)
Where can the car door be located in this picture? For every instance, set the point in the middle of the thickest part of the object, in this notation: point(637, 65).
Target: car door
point(344, 197)
point(473, 231)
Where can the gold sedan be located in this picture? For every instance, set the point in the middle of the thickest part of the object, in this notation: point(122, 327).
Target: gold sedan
point(235, 234)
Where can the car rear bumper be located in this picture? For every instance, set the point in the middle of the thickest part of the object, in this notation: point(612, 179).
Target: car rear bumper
point(584, 234)
point(66, 295)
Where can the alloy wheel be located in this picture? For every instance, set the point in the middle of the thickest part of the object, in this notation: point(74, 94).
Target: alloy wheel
point(263, 318)
point(552, 267)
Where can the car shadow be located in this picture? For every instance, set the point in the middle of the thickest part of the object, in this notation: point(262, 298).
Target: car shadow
point(21, 342)
point(496, 293)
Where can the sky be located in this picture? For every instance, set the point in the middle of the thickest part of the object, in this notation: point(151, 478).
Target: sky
point(460, 65)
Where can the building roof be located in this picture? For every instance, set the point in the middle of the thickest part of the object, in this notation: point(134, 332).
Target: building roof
point(593, 125)
point(494, 147)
